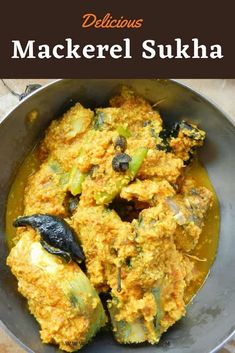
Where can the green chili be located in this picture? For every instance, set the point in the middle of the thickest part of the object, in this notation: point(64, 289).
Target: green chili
point(137, 160)
point(76, 180)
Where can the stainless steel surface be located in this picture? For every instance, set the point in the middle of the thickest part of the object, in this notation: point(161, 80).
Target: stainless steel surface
point(211, 318)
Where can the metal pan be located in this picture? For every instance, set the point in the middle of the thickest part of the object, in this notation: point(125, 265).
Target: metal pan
point(210, 320)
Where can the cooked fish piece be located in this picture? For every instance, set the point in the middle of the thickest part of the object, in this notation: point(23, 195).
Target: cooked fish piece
point(161, 165)
point(71, 126)
point(140, 112)
point(189, 209)
point(106, 241)
point(45, 191)
point(150, 191)
point(153, 287)
point(186, 139)
point(59, 295)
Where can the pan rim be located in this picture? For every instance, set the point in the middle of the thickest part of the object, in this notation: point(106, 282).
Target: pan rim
point(175, 81)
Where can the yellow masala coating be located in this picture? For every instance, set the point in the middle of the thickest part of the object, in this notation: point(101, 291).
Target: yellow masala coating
point(136, 224)
point(59, 295)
